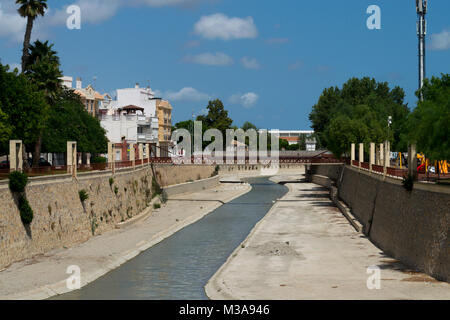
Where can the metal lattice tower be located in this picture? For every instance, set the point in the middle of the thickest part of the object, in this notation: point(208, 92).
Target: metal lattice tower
point(421, 6)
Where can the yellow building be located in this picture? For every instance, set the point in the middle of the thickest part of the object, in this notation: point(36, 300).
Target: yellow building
point(164, 114)
point(90, 98)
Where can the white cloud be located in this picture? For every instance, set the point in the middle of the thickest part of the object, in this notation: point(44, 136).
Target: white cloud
point(187, 94)
point(250, 63)
point(12, 25)
point(440, 41)
point(220, 26)
point(247, 100)
point(210, 59)
point(92, 11)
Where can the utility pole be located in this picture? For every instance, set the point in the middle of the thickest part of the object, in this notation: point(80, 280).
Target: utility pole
point(421, 6)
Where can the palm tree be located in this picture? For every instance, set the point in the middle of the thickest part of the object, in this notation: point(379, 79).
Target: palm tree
point(43, 70)
point(30, 9)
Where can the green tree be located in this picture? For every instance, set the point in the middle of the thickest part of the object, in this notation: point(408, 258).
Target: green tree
point(5, 131)
point(188, 125)
point(43, 70)
point(30, 9)
point(216, 118)
point(25, 106)
point(369, 103)
point(69, 121)
point(428, 124)
point(284, 144)
point(248, 125)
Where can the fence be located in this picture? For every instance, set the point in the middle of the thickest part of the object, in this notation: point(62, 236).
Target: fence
point(401, 173)
point(118, 165)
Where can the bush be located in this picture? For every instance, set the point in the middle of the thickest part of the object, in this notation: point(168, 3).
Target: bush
point(156, 206)
point(215, 172)
point(111, 181)
point(156, 188)
point(98, 160)
point(408, 182)
point(26, 213)
point(17, 181)
point(116, 190)
point(83, 195)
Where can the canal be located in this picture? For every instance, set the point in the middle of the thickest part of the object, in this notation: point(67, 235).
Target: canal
point(179, 267)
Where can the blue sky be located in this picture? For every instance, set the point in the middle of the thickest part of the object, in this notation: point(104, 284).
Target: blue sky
point(267, 61)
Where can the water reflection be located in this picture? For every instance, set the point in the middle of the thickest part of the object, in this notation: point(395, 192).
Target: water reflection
point(179, 267)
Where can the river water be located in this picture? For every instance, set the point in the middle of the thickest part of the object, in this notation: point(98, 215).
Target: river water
point(179, 267)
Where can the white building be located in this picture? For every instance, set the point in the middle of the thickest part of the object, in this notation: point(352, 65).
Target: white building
point(130, 123)
point(131, 117)
point(142, 97)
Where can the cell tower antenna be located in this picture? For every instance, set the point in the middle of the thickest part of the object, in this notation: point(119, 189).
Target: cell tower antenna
point(421, 7)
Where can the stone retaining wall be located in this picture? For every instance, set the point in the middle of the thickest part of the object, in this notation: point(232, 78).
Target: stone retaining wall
point(61, 220)
point(412, 227)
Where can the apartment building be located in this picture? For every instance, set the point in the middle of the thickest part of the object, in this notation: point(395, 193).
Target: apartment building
point(164, 113)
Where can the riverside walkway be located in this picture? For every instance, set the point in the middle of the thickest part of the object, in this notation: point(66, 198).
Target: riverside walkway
point(305, 249)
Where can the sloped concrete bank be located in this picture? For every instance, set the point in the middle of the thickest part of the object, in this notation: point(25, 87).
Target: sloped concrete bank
point(46, 275)
point(412, 227)
point(304, 249)
point(62, 220)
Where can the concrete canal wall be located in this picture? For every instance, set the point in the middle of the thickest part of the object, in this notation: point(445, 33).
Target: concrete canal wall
point(62, 220)
point(412, 227)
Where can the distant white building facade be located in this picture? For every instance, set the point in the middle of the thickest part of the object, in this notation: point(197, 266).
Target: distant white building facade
point(142, 97)
point(295, 136)
point(132, 117)
point(130, 124)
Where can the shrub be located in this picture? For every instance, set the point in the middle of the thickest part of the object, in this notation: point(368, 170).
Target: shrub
point(17, 181)
point(156, 206)
point(83, 195)
point(408, 182)
point(156, 188)
point(111, 181)
point(98, 160)
point(26, 213)
point(215, 172)
point(116, 190)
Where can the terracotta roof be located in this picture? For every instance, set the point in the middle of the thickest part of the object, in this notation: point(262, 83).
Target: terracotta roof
point(290, 138)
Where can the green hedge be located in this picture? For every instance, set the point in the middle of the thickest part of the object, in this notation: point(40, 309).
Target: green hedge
point(26, 213)
point(17, 181)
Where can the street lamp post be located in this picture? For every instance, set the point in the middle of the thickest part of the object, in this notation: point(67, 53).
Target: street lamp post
point(421, 7)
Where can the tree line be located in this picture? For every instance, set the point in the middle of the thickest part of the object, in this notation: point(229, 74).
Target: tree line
point(36, 108)
point(365, 111)
point(217, 118)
